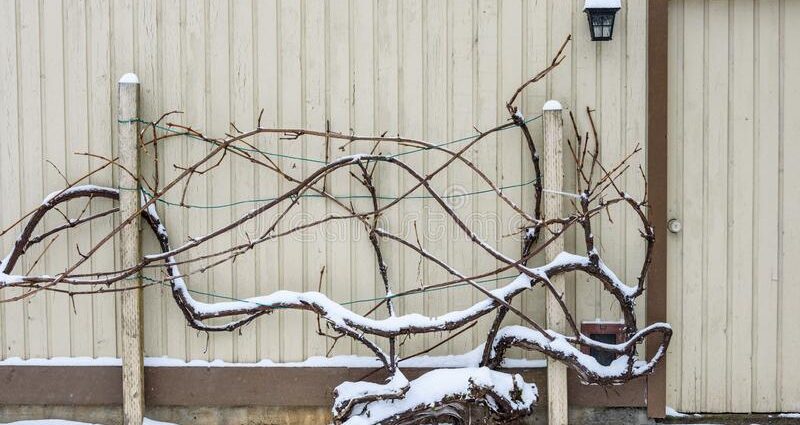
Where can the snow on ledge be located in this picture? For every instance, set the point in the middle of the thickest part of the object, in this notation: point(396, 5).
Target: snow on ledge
point(552, 105)
point(129, 78)
point(470, 359)
point(602, 4)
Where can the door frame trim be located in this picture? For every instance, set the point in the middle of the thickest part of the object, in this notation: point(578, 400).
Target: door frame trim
point(657, 78)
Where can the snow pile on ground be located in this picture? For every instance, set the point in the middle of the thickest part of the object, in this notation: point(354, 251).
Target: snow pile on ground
point(789, 415)
point(442, 385)
point(672, 413)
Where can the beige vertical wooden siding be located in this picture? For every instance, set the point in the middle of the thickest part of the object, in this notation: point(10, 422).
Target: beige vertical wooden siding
point(734, 126)
point(422, 69)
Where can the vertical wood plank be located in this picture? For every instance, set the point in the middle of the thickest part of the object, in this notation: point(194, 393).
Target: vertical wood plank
point(560, 15)
point(244, 117)
point(77, 136)
point(460, 74)
point(314, 88)
point(171, 81)
point(693, 204)
point(410, 122)
point(740, 201)
point(435, 129)
point(194, 70)
point(220, 183)
point(536, 57)
point(30, 167)
point(100, 136)
point(715, 214)
point(675, 201)
point(585, 51)
point(123, 60)
point(788, 232)
point(609, 120)
point(267, 255)
point(338, 103)
point(146, 57)
point(767, 216)
point(290, 113)
point(13, 323)
point(487, 111)
point(634, 126)
point(509, 143)
point(386, 119)
point(363, 267)
point(54, 129)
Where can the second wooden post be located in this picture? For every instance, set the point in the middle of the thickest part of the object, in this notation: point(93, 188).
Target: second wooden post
point(129, 202)
point(552, 125)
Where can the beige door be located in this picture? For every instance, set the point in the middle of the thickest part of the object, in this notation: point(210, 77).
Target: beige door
point(734, 140)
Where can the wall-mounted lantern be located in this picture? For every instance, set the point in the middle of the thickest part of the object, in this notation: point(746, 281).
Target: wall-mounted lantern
point(601, 15)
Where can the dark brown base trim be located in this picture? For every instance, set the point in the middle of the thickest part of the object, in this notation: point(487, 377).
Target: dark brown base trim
point(243, 386)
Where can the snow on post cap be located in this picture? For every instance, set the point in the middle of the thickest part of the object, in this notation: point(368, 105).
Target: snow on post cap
point(602, 4)
point(552, 105)
point(129, 78)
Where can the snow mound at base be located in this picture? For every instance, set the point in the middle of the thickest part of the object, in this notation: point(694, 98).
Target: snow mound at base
point(506, 396)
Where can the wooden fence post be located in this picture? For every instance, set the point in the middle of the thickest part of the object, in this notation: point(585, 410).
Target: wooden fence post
point(129, 203)
point(552, 127)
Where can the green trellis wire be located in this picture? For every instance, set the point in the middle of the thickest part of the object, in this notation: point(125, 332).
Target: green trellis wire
point(387, 198)
point(318, 161)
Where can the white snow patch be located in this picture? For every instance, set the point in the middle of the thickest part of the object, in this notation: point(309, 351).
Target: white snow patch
point(602, 4)
point(10, 279)
point(789, 415)
point(469, 359)
point(672, 413)
point(68, 191)
point(552, 105)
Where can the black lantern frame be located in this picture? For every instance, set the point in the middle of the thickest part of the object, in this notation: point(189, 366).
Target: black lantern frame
point(601, 22)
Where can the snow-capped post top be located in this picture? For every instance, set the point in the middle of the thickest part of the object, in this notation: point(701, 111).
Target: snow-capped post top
point(552, 105)
point(129, 78)
point(602, 4)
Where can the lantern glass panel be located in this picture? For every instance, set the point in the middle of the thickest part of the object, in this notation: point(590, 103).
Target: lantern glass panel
point(601, 22)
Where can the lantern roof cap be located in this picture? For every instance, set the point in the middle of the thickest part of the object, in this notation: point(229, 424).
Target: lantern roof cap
point(602, 4)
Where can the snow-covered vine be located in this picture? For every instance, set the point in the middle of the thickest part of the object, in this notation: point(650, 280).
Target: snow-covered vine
point(397, 400)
